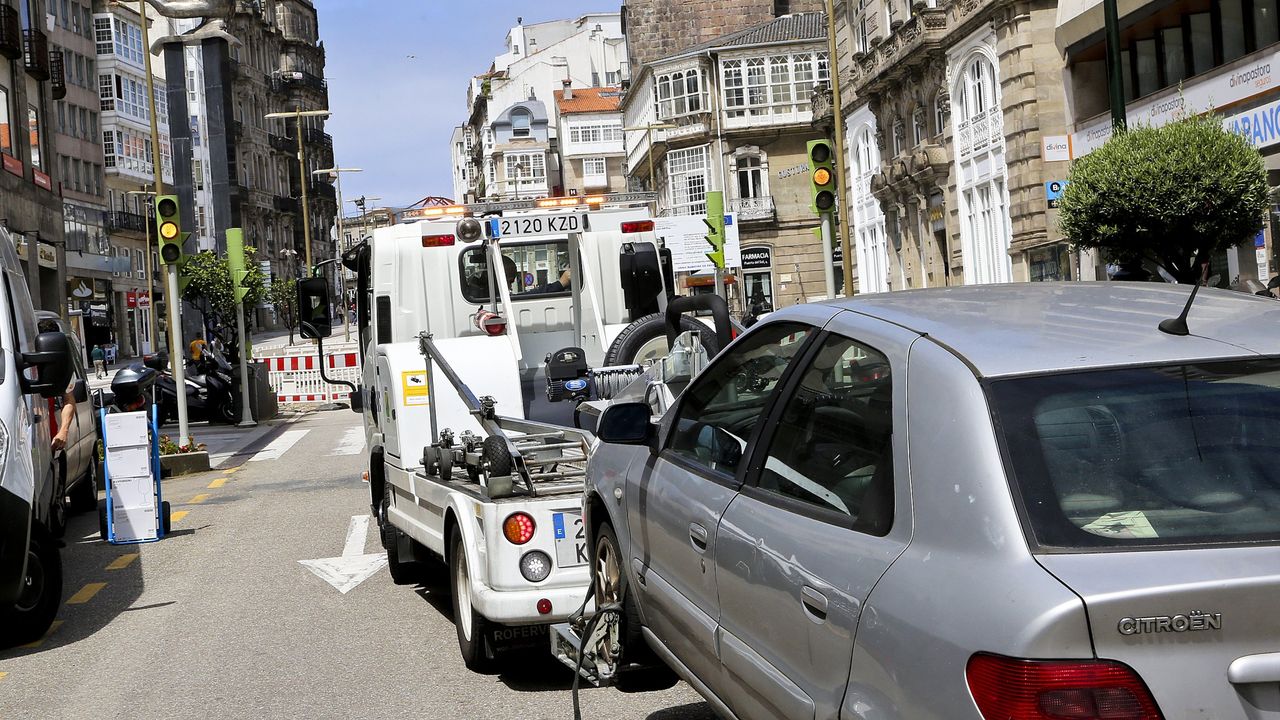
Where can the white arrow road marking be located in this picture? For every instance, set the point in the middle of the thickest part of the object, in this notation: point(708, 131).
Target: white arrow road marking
point(279, 446)
point(352, 442)
point(354, 567)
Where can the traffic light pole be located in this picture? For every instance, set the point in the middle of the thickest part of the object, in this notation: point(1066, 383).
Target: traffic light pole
point(175, 351)
point(828, 256)
point(235, 260)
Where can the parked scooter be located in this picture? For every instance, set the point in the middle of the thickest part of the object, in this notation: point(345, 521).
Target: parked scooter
point(211, 388)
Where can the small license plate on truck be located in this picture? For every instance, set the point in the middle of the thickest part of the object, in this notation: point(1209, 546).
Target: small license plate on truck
point(571, 539)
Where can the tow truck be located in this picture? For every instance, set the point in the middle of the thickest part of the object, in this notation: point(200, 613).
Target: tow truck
point(484, 488)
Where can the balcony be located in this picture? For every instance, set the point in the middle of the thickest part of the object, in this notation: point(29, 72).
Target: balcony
point(35, 52)
point(296, 33)
point(754, 209)
point(58, 81)
point(915, 44)
point(323, 191)
point(286, 204)
point(10, 33)
point(283, 143)
point(301, 79)
point(236, 68)
point(237, 129)
point(119, 222)
point(311, 136)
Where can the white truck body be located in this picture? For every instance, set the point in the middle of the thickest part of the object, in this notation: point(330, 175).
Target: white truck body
point(414, 280)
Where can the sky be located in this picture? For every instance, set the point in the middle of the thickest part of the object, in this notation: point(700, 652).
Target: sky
point(398, 72)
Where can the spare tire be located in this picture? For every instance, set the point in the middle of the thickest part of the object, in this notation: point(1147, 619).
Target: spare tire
point(646, 339)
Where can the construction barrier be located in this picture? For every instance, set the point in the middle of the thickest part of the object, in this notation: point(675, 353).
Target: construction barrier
point(296, 378)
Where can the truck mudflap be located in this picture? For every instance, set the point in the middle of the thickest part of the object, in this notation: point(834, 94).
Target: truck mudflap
point(15, 532)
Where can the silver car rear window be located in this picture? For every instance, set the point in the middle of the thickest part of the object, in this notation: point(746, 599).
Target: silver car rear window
point(1156, 456)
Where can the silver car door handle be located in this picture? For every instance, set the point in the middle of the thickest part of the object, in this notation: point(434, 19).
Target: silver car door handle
point(698, 535)
point(815, 603)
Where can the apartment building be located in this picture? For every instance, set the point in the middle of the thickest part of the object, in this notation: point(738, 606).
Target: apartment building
point(592, 151)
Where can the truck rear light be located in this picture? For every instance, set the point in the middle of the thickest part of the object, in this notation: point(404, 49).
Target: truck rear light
point(518, 528)
point(535, 566)
point(1007, 688)
point(637, 226)
point(490, 322)
point(544, 607)
point(437, 241)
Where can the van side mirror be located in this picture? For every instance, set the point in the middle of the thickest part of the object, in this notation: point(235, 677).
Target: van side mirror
point(313, 308)
point(52, 361)
point(629, 423)
point(81, 391)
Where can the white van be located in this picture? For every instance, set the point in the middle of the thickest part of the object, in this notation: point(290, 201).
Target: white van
point(30, 364)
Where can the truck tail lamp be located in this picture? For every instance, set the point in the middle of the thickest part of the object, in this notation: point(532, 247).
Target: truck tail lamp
point(518, 528)
point(1007, 688)
point(490, 322)
point(637, 226)
point(430, 241)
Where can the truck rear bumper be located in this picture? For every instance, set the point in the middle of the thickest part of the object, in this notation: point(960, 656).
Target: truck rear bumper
point(520, 607)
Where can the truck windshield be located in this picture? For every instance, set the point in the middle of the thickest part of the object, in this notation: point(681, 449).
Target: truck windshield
point(529, 269)
point(1157, 456)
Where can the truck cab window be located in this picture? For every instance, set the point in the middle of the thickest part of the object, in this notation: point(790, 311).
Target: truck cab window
point(529, 269)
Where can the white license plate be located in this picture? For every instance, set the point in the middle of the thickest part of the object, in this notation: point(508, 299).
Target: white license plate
point(531, 225)
point(571, 539)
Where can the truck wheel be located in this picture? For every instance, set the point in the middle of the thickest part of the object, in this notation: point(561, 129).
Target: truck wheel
point(645, 340)
point(102, 519)
point(472, 626)
point(84, 496)
point(611, 586)
point(403, 572)
point(496, 457)
point(29, 618)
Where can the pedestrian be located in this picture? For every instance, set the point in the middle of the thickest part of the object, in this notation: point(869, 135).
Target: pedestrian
point(99, 361)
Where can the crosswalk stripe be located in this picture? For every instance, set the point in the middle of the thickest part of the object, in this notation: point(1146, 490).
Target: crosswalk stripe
point(352, 442)
point(279, 446)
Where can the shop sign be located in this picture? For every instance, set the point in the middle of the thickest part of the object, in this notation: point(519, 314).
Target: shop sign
point(42, 179)
point(101, 289)
point(1053, 192)
point(757, 258)
point(144, 300)
point(1218, 91)
point(13, 164)
point(98, 315)
point(1055, 148)
point(1260, 126)
point(79, 288)
point(46, 256)
point(131, 299)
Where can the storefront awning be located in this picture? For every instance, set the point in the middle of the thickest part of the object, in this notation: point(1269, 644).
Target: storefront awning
point(1078, 19)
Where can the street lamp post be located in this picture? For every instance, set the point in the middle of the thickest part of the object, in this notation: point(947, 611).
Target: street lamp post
point(298, 114)
point(151, 296)
point(336, 172)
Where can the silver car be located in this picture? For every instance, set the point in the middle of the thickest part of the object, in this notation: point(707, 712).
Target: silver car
point(988, 502)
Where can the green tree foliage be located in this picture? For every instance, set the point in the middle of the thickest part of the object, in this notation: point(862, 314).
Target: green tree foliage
point(283, 294)
point(1172, 195)
point(210, 288)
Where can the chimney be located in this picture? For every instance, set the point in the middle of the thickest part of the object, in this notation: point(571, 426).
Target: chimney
point(568, 88)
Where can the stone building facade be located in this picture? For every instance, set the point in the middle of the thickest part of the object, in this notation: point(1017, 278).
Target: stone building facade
point(947, 103)
point(662, 28)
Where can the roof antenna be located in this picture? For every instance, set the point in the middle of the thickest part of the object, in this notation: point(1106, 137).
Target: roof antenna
point(1178, 325)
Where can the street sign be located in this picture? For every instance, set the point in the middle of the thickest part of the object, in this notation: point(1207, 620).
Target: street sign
point(518, 226)
point(685, 236)
point(1053, 192)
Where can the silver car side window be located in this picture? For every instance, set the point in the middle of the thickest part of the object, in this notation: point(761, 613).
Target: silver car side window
point(832, 446)
point(722, 407)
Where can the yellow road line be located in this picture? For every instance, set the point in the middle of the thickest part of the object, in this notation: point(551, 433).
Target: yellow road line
point(56, 624)
point(86, 594)
point(177, 515)
point(232, 471)
point(3, 675)
point(123, 561)
point(217, 483)
point(199, 498)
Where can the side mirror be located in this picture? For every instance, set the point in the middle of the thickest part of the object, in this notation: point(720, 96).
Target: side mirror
point(357, 401)
point(156, 361)
point(52, 361)
point(81, 391)
point(629, 423)
point(313, 308)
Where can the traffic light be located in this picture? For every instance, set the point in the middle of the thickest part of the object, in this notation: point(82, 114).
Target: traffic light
point(715, 228)
point(235, 263)
point(822, 176)
point(169, 229)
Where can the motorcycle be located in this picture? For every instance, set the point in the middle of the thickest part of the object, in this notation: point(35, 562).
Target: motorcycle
point(210, 388)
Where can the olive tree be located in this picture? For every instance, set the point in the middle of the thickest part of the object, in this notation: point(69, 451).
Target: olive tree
point(1172, 195)
point(209, 289)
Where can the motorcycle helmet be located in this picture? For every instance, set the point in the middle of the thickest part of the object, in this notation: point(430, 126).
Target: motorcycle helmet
point(130, 385)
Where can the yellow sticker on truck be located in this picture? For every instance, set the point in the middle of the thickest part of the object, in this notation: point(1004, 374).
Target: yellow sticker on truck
point(413, 383)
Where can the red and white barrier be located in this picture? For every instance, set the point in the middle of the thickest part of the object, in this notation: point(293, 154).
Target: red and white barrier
point(296, 379)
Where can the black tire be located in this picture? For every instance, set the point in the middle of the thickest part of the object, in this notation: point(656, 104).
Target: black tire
point(472, 627)
point(165, 517)
point(635, 336)
point(29, 618)
point(84, 496)
point(102, 519)
point(495, 457)
point(649, 672)
point(228, 413)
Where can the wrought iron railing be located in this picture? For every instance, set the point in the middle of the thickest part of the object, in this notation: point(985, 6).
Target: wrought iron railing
point(35, 52)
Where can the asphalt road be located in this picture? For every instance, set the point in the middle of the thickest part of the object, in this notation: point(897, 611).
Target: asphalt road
point(221, 620)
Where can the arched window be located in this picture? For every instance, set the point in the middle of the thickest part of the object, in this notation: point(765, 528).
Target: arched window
point(865, 153)
point(520, 122)
point(977, 88)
